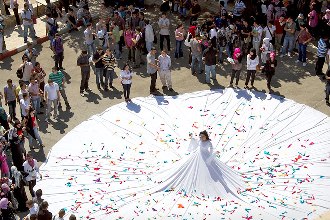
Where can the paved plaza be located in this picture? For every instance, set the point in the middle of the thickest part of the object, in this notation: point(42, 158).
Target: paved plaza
point(291, 80)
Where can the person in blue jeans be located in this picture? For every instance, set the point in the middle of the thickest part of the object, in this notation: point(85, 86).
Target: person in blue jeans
point(99, 67)
point(196, 54)
point(288, 43)
point(109, 62)
point(304, 37)
point(210, 59)
point(27, 22)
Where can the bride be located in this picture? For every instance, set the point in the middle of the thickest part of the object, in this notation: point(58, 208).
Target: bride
point(202, 172)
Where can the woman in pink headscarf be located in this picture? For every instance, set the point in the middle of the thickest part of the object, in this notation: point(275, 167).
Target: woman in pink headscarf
point(3, 161)
point(269, 69)
point(236, 65)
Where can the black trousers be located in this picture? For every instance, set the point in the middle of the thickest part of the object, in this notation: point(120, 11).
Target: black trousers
point(59, 60)
point(269, 79)
point(32, 183)
point(319, 65)
point(17, 17)
point(84, 81)
point(153, 77)
point(127, 90)
point(250, 74)
point(167, 37)
point(235, 74)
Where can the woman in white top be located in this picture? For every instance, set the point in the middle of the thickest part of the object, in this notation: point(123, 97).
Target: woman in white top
point(31, 169)
point(126, 81)
point(251, 64)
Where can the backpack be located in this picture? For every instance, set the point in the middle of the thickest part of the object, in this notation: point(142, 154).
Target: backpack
point(53, 28)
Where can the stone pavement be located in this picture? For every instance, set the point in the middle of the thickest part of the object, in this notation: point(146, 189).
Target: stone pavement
point(14, 34)
point(291, 81)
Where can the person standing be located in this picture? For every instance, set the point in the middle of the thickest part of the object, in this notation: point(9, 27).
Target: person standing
point(288, 43)
point(257, 34)
point(10, 98)
point(236, 66)
point(279, 25)
point(126, 81)
point(164, 25)
point(195, 11)
point(27, 68)
point(14, 7)
point(165, 70)
point(27, 22)
point(58, 77)
point(31, 53)
point(89, 39)
point(149, 35)
point(210, 59)
point(83, 62)
point(321, 54)
point(179, 38)
point(34, 92)
point(109, 62)
point(52, 97)
point(152, 68)
point(58, 49)
point(31, 168)
point(304, 37)
point(138, 46)
point(269, 69)
point(252, 63)
point(196, 54)
point(2, 35)
point(99, 67)
point(239, 9)
point(32, 127)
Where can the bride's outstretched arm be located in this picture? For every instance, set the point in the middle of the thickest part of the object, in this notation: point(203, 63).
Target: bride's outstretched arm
point(193, 143)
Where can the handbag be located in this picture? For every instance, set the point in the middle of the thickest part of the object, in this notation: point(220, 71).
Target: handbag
point(186, 41)
point(34, 19)
point(19, 73)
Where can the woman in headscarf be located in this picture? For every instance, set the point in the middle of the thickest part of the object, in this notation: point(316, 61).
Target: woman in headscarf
point(7, 212)
point(32, 170)
point(236, 66)
point(19, 190)
point(266, 49)
point(3, 162)
point(4, 118)
point(269, 69)
point(16, 140)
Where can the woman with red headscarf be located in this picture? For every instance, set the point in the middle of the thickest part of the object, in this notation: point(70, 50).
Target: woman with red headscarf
point(269, 69)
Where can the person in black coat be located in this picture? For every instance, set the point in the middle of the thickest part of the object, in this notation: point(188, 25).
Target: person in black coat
point(269, 69)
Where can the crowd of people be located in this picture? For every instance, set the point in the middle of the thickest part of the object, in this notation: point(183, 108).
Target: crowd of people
point(125, 37)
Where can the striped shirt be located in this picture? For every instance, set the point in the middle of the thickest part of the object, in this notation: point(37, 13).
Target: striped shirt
point(57, 78)
point(321, 48)
point(109, 62)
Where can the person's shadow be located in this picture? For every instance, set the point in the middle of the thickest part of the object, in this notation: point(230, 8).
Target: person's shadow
point(133, 107)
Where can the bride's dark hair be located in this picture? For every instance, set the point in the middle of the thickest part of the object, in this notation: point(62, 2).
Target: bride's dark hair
point(205, 133)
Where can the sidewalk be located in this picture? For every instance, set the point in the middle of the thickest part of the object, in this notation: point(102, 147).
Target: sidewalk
point(14, 35)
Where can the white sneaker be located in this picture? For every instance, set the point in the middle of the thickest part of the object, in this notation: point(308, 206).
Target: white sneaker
point(281, 55)
point(304, 63)
point(289, 54)
point(46, 120)
point(297, 61)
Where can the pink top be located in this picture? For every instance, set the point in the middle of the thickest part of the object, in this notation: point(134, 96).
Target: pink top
point(313, 19)
point(179, 34)
point(129, 35)
point(4, 165)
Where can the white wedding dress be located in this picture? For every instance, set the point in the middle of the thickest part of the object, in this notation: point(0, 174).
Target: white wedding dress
point(201, 173)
